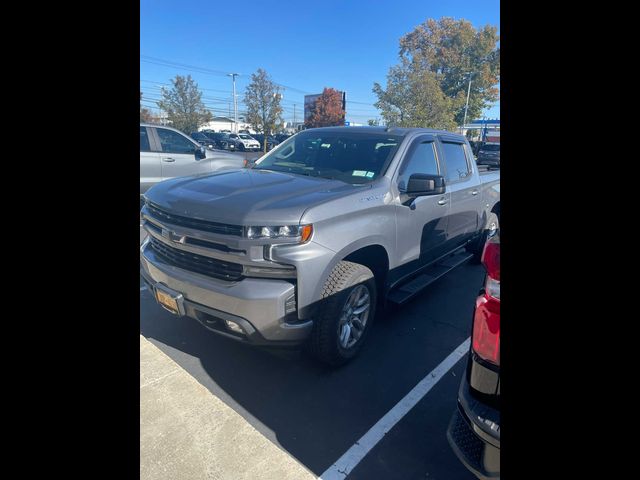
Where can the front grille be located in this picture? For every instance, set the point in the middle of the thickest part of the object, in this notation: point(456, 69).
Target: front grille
point(193, 262)
point(206, 226)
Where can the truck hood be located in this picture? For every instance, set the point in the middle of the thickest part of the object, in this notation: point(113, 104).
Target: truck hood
point(247, 196)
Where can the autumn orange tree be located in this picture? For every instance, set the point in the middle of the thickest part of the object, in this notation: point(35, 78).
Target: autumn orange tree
point(327, 110)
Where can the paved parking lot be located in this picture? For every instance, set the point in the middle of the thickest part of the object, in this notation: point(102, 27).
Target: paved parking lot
point(317, 414)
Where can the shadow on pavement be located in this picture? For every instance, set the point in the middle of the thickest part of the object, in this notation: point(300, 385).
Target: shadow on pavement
point(313, 412)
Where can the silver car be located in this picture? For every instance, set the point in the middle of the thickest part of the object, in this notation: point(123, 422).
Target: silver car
point(167, 153)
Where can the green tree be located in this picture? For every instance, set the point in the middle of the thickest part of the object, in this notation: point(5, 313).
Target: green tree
point(373, 122)
point(145, 113)
point(472, 133)
point(327, 110)
point(413, 98)
point(456, 52)
point(262, 98)
point(183, 104)
point(453, 52)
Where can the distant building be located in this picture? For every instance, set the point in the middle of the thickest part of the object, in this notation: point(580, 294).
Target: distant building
point(225, 123)
point(487, 130)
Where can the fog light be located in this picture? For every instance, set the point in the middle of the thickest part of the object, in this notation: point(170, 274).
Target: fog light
point(234, 327)
point(290, 304)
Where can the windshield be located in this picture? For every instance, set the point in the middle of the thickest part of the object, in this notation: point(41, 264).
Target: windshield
point(491, 148)
point(351, 157)
point(245, 137)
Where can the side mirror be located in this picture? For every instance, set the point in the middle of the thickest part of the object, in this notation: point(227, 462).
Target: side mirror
point(200, 152)
point(422, 184)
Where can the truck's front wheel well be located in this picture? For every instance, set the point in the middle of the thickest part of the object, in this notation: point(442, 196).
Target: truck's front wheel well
point(496, 210)
point(376, 259)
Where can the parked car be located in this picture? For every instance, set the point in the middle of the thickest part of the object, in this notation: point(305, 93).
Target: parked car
point(489, 154)
point(302, 248)
point(203, 140)
point(281, 137)
point(474, 430)
point(245, 141)
point(475, 146)
point(221, 140)
point(167, 153)
point(271, 142)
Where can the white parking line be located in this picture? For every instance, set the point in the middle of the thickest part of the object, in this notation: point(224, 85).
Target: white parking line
point(347, 462)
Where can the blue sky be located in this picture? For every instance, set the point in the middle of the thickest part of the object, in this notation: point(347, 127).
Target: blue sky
point(304, 45)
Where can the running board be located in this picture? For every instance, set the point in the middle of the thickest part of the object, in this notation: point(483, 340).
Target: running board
point(406, 291)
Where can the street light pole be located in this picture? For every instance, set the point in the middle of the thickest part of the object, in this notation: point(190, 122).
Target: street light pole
point(464, 122)
point(235, 102)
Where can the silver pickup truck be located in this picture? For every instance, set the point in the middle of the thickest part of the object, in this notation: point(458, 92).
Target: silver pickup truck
point(327, 227)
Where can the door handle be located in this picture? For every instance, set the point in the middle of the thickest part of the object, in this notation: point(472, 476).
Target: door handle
point(474, 192)
point(442, 201)
point(168, 159)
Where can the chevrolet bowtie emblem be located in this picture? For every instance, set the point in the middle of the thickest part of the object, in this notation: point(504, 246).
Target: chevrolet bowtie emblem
point(169, 235)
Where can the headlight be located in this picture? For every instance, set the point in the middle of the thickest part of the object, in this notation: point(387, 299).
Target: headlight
point(300, 232)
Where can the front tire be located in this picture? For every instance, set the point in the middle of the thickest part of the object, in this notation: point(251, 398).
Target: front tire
point(345, 315)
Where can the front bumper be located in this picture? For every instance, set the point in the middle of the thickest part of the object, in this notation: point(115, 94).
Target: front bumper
point(470, 440)
point(257, 305)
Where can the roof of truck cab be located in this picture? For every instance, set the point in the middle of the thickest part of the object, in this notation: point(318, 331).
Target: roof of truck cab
point(392, 130)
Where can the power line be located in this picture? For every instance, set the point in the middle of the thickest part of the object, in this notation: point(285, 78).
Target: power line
point(169, 63)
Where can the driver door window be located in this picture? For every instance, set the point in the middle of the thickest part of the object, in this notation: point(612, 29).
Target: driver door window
point(178, 157)
point(173, 142)
point(422, 160)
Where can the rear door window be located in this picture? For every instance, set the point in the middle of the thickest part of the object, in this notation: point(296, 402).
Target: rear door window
point(456, 161)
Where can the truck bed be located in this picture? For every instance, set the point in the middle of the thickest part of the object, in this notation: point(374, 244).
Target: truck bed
point(483, 169)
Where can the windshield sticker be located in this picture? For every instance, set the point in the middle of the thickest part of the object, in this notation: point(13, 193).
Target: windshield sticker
point(370, 174)
point(359, 173)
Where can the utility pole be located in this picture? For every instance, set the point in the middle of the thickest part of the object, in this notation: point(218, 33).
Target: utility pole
point(294, 115)
point(235, 102)
point(467, 104)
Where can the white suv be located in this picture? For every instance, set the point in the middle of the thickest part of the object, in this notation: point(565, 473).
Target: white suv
point(247, 141)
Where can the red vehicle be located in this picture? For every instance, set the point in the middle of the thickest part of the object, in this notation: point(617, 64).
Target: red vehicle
point(474, 430)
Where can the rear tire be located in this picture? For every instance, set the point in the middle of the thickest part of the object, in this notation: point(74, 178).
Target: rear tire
point(339, 329)
point(491, 227)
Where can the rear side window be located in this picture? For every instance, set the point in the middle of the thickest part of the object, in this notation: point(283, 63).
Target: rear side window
point(173, 142)
point(422, 160)
point(456, 161)
point(144, 140)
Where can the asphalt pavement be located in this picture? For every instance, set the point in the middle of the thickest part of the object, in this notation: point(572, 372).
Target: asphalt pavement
point(315, 414)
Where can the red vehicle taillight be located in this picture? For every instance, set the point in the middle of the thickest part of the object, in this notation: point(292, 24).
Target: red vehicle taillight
point(491, 257)
point(486, 319)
